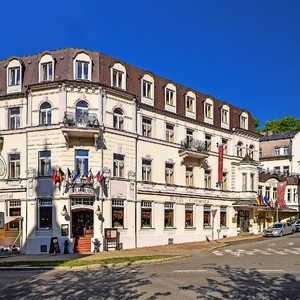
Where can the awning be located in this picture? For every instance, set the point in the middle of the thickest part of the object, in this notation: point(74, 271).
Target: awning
point(9, 219)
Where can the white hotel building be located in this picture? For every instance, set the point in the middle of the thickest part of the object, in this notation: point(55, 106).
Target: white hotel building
point(155, 141)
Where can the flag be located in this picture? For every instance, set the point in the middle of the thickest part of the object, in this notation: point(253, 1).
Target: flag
point(257, 199)
point(266, 200)
point(90, 176)
point(55, 175)
point(68, 175)
point(261, 199)
point(280, 194)
point(60, 175)
point(76, 174)
point(99, 176)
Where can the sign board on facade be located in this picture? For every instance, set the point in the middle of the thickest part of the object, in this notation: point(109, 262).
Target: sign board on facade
point(1, 220)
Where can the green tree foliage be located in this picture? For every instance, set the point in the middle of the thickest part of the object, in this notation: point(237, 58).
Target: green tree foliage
point(286, 124)
point(256, 125)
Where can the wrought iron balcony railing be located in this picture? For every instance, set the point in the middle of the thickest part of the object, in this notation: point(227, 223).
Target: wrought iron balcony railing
point(193, 144)
point(85, 120)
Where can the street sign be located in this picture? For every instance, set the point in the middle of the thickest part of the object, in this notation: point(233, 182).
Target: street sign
point(1, 220)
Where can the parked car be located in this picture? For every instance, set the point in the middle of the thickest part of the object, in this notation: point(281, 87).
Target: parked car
point(280, 229)
point(297, 225)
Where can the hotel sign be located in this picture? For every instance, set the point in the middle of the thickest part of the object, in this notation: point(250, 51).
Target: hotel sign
point(188, 200)
point(6, 196)
point(82, 191)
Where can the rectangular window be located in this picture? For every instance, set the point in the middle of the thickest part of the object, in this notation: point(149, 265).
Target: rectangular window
point(118, 79)
point(169, 168)
point(286, 150)
point(170, 133)
point(259, 190)
point(244, 182)
point(277, 152)
point(207, 179)
point(295, 195)
point(289, 195)
point(206, 216)
point(189, 213)
point(169, 97)
point(47, 71)
point(190, 104)
point(14, 210)
point(82, 161)
point(82, 70)
point(117, 213)
point(268, 189)
point(208, 142)
point(243, 122)
point(277, 170)
point(147, 127)
point(147, 87)
point(274, 193)
point(225, 116)
point(45, 163)
point(45, 214)
point(286, 170)
point(14, 165)
point(252, 182)
point(14, 118)
point(225, 144)
point(146, 214)
point(189, 137)
point(146, 170)
point(189, 176)
point(223, 216)
point(169, 214)
point(208, 108)
point(14, 76)
point(118, 165)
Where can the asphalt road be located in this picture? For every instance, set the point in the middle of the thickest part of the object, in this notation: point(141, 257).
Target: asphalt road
point(264, 269)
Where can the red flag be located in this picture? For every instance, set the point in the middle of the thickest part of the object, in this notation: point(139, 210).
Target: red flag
point(280, 194)
point(220, 169)
point(90, 176)
point(55, 176)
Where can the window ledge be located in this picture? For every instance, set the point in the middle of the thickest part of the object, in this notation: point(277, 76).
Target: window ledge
point(145, 228)
point(169, 228)
point(207, 227)
point(189, 228)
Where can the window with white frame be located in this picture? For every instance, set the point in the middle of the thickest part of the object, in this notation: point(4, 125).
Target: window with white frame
point(286, 150)
point(118, 165)
point(82, 113)
point(147, 89)
point(82, 161)
point(239, 149)
point(225, 116)
point(225, 146)
point(244, 120)
point(118, 119)
point(189, 104)
point(14, 165)
point(289, 195)
point(169, 215)
point(169, 97)
point(251, 151)
point(206, 216)
point(14, 118)
point(47, 70)
point(189, 176)
point(169, 173)
point(14, 210)
point(208, 142)
point(118, 79)
point(189, 215)
point(146, 214)
point(189, 137)
point(45, 114)
point(277, 151)
point(252, 182)
point(118, 75)
point(82, 66)
point(208, 110)
point(207, 179)
point(14, 76)
point(259, 190)
point(223, 216)
point(286, 170)
point(117, 213)
point(146, 170)
point(45, 163)
point(244, 182)
point(268, 192)
point(277, 170)
point(170, 133)
point(274, 193)
point(295, 195)
point(45, 215)
point(147, 127)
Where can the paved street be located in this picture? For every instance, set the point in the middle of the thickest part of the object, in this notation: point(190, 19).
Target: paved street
point(241, 272)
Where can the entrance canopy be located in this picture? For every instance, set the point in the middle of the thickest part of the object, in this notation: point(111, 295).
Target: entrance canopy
point(10, 219)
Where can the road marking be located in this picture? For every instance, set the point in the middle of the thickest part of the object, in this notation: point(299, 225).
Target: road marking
point(189, 271)
point(218, 253)
point(268, 270)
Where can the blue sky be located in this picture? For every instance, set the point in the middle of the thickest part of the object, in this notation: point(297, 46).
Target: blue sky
point(243, 52)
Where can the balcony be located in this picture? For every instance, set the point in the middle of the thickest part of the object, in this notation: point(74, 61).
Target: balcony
point(192, 149)
point(81, 188)
point(81, 126)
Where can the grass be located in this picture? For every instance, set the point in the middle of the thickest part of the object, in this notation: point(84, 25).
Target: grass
point(79, 262)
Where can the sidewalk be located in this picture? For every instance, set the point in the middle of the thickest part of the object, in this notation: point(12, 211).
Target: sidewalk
point(180, 250)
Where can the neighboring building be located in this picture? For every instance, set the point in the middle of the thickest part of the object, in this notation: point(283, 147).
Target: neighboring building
point(279, 163)
point(172, 164)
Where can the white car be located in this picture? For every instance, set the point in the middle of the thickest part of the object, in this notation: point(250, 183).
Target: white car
point(280, 229)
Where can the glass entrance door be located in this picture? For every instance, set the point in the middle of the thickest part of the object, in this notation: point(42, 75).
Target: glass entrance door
point(82, 223)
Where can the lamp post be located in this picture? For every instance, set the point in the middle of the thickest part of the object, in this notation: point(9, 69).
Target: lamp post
point(213, 213)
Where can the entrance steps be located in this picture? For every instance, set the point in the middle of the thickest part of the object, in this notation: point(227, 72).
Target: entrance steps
point(82, 245)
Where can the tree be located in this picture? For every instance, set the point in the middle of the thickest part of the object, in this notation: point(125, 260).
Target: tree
point(286, 124)
point(256, 125)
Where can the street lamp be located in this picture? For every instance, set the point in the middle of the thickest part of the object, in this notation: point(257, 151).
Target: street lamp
point(98, 211)
point(213, 213)
point(64, 211)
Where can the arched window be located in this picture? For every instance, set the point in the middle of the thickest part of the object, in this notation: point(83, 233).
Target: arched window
point(45, 114)
point(82, 113)
point(239, 149)
point(118, 119)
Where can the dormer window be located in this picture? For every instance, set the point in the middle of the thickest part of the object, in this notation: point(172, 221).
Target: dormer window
point(82, 66)
point(225, 116)
point(46, 67)
point(147, 89)
point(47, 71)
point(244, 120)
point(118, 76)
point(170, 97)
point(208, 111)
point(14, 76)
point(190, 105)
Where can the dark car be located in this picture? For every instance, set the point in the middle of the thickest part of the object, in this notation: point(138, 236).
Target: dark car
point(297, 225)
